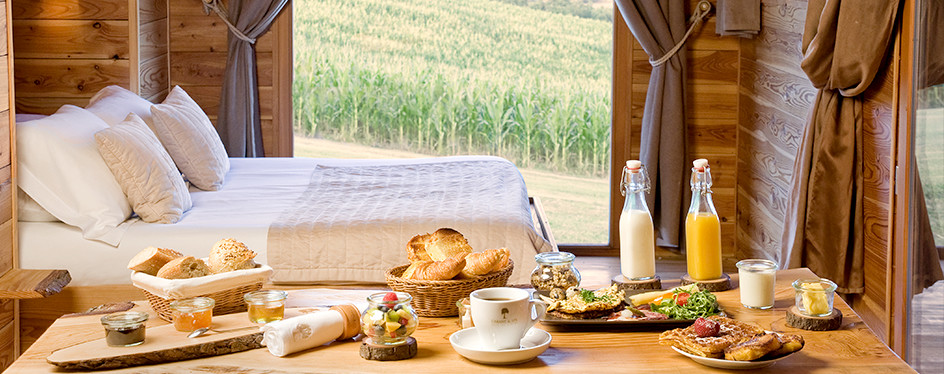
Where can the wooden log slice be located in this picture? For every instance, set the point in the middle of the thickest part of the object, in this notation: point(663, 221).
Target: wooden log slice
point(831, 322)
point(214, 348)
point(383, 352)
point(627, 285)
point(713, 285)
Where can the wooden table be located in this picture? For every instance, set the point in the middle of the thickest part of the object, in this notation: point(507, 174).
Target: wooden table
point(852, 349)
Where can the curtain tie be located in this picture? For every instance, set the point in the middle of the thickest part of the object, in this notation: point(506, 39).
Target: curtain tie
point(220, 11)
point(701, 12)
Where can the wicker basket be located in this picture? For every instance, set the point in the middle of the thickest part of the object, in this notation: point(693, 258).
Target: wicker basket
point(438, 298)
point(227, 301)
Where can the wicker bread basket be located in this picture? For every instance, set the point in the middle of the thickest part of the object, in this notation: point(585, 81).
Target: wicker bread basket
point(438, 298)
point(227, 301)
point(226, 289)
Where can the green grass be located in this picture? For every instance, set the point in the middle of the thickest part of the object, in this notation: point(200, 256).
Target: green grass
point(456, 77)
point(929, 156)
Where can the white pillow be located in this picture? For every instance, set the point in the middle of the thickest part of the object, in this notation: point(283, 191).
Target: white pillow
point(113, 103)
point(144, 170)
point(59, 166)
point(188, 135)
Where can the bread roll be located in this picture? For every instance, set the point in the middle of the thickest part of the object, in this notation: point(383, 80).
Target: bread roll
point(481, 263)
point(447, 243)
point(228, 255)
point(183, 267)
point(151, 259)
point(416, 248)
point(435, 270)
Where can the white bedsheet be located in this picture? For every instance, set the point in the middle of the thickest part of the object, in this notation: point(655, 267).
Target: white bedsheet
point(255, 193)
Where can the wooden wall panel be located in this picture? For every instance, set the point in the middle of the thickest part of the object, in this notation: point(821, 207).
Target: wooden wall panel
point(8, 347)
point(154, 77)
point(98, 9)
point(43, 78)
point(5, 146)
point(38, 38)
point(152, 39)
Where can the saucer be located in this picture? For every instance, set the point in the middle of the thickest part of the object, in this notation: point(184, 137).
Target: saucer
point(466, 343)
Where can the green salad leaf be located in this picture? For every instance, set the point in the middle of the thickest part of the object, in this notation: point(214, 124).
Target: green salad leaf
point(700, 304)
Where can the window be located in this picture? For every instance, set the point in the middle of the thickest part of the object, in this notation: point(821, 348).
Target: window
point(527, 80)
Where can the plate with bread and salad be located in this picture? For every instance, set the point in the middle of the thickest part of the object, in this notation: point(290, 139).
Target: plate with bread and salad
point(611, 307)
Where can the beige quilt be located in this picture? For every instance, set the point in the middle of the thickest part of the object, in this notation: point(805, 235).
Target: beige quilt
point(353, 222)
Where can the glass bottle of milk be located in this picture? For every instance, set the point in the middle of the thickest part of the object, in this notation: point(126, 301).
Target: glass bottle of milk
point(637, 242)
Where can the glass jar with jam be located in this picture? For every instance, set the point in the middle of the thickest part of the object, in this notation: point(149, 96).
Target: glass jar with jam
point(124, 329)
point(554, 274)
point(266, 306)
point(192, 314)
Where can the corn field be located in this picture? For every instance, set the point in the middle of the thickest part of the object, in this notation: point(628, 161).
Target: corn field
point(456, 77)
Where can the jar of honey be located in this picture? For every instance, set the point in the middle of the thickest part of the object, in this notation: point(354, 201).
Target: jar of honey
point(192, 314)
point(266, 305)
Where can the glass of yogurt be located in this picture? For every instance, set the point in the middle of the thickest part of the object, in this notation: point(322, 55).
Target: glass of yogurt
point(757, 278)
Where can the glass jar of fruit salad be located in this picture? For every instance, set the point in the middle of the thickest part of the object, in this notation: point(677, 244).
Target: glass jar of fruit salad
point(389, 318)
point(192, 314)
point(265, 306)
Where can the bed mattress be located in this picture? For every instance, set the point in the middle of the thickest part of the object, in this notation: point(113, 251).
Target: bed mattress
point(254, 195)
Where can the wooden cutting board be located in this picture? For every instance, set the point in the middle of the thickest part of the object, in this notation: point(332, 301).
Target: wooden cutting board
point(165, 344)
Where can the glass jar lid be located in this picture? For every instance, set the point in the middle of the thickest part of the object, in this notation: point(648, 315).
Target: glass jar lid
point(196, 304)
point(265, 296)
point(554, 258)
point(756, 265)
point(378, 298)
point(824, 285)
point(124, 319)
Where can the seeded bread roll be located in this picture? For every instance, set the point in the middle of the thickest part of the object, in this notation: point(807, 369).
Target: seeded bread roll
point(228, 255)
point(151, 259)
point(183, 267)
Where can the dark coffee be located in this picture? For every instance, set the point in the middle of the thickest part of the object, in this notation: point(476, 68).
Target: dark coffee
point(496, 299)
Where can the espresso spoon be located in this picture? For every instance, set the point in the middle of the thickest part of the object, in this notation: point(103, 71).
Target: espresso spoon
point(203, 330)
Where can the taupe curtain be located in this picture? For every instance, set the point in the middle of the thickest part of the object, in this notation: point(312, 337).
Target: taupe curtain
point(658, 26)
point(843, 45)
point(240, 124)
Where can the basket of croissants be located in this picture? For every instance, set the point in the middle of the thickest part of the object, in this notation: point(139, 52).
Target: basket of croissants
point(228, 273)
point(444, 269)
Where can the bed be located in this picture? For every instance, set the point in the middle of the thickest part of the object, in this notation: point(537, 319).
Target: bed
point(315, 221)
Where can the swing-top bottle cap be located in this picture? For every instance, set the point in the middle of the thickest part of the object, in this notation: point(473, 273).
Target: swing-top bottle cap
point(700, 164)
point(633, 165)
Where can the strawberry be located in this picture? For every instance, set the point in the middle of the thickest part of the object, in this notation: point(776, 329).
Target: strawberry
point(390, 296)
point(705, 327)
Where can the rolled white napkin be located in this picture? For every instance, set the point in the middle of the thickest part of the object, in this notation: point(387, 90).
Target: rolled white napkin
point(311, 330)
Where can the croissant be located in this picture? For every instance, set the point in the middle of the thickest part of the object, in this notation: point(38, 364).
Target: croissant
point(481, 263)
point(446, 243)
point(416, 248)
point(434, 270)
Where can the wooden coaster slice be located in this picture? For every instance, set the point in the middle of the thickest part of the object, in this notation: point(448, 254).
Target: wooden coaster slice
point(713, 285)
point(627, 285)
point(831, 322)
point(383, 352)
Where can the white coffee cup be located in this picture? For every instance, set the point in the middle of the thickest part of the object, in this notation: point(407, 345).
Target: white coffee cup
point(502, 316)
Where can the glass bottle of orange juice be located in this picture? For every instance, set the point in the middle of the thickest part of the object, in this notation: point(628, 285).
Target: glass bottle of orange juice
point(702, 227)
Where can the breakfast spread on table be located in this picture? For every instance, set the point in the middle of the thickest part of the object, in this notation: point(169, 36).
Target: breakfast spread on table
point(498, 323)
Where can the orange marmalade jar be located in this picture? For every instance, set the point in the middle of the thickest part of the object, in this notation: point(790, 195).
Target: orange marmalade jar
point(192, 314)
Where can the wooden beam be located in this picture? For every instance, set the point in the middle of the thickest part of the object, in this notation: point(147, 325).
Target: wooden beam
point(32, 284)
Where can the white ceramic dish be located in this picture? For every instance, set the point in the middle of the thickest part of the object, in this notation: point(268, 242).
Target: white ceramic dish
point(728, 364)
point(466, 343)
